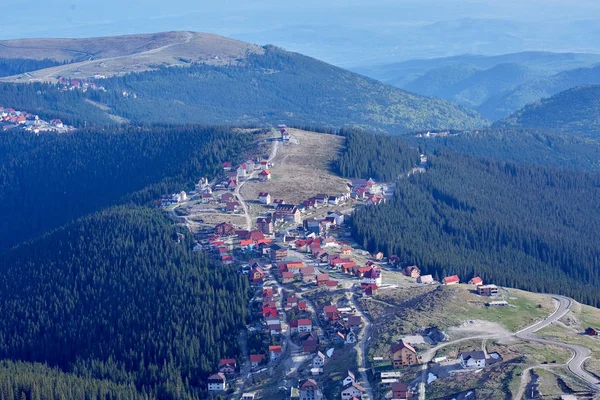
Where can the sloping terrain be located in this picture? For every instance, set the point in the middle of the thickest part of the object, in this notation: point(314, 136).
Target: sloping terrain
point(108, 56)
point(504, 104)
point(575, 111)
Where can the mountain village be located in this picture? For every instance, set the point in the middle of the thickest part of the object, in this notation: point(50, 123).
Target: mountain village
point(310, 278)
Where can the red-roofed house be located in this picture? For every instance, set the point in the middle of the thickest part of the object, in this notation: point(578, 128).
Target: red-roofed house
point(332, 313)
point(267, 294)
point(287, 277)
point(305, 325)
point(228, 366)
point(451, 280)
point(274, 352)
point(264, 176)
point(477, 281)
point(257, 274)
point(331, 285)
point(227, 166)
point(256, 359)
point(404, 354)
point(322, 279)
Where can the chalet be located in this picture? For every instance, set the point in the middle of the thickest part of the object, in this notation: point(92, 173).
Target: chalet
point(264, 198)
point(206, 198)
point(477, 281)
point(310, 345)
point(275, 329)
point(256, 359)
point(56, 123)
point(451, 280)
point(331, 285)
point(321, 256)
point(318, 360)
point(336, 199)
point(346, 250)
point(217, 382)
point(305, 325)
point(267, 294)
point(329, 242)
point(331, 313)
point(309, 390)
point(425, 279)
point(314, 248)
point(354, 321)
point(265, 225)
point(412, 271)
point(400, 391)
point(404, 354)
point(226, 166)
point(232, 206)
point(350, 378)
point(257, 274)
point(312, 226)
point(294, 266)
point(309, 203)
point(338, 217)
point(321, 198)
point(287, 212)
point(270, 314)
point(472, 359)
point(350, 337)
point(287, 277)
point(290, 303)
point(227, 197)
point(264, 176)
point(225, 229)
point(241, 171)
point(302, 306)
point(278, 253)
point(228, 366)
point(264, 165)
point(487, 290)
point(274, 352)
point(326, 224)
point(372, 277)
point(322, 279)
point(352, 390)
point(308, 274)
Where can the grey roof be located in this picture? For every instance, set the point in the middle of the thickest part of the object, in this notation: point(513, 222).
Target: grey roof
point(477, 355)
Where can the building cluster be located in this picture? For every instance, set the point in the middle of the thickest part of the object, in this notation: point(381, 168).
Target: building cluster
point(23, 120)
point(368, 190)
point(68, 84)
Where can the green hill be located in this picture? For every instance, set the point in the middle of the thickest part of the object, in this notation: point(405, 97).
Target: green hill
point(575, 110)
point(506, 103)
point(270, 88)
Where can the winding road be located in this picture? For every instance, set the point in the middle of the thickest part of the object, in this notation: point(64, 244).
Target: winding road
point(575, 364)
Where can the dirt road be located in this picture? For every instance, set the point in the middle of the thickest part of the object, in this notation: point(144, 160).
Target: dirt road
point(362, 347)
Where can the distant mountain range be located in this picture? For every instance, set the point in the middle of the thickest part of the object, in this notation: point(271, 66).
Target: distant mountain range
point(574, 111)
point(225, 82)
point(495, 86)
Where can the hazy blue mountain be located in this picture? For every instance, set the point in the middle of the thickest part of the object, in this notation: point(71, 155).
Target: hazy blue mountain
point(503, 104)
point(575, 111)
point(470, 86)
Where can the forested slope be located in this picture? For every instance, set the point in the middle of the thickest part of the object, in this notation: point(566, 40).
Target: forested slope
point(113, 296)
point(528, 227)
point(48, 180)
point(14, 66)
point(381, 157)
point(526, 146)
point(575, 111)
point(270, 88)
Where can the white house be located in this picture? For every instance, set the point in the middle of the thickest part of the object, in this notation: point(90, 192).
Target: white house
point(319, 360)
point(350, 338)
point(264, 198)
point(217, 382)
point(472, 359)
point(241, 171)
point(352, 390)
point(349, 379)
point(248, 396)
point(304, 325)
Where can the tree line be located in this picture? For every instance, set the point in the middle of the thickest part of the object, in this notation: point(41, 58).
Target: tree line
point(529, 227)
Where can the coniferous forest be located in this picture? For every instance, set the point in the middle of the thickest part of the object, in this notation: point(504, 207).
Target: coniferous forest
point(114, 297)
point(48, 180)
point(93, 285)
point(529, 227)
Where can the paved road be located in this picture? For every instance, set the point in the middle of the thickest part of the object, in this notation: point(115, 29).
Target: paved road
point(575, 364)
point(580, 353)
point(362, 347)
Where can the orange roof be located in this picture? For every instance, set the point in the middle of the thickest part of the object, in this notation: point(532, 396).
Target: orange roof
point(452, 279)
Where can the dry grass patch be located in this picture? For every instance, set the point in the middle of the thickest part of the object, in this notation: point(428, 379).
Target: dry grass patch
point(301, 170)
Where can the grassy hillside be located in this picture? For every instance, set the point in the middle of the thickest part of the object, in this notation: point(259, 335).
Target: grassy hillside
point(503, 104)
point(574, 111)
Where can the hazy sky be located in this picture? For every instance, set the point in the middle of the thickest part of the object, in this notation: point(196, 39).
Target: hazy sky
point(344, 32)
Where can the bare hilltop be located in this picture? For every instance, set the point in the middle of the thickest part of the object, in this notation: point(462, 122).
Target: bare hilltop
point(119, 55)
